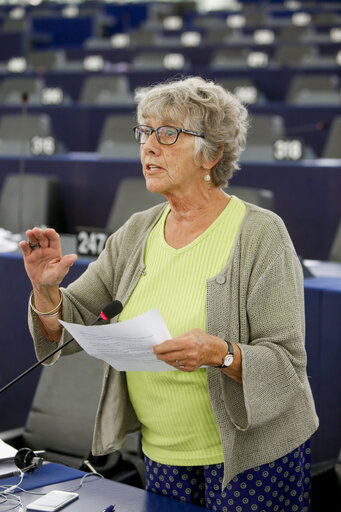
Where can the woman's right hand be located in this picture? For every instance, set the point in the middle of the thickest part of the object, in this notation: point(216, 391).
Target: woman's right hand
point(45, 265)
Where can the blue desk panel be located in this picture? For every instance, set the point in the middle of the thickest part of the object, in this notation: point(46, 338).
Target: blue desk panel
point(330, 372)
point(323, 328)
point(306, 194)
point(16, 348)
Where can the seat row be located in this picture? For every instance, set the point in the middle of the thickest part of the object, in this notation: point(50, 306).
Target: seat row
point(41, 198)
point(170, 16)
point(111, 89)
point(35, 199)
point(101, 56)
point(268, 138)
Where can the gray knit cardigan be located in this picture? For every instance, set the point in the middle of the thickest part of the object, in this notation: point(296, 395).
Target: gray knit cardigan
point(256, 300)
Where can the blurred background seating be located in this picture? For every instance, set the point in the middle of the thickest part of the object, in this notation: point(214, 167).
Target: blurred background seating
point(112, 90)
point(28, 200)
point(116, 138)
point(79, 64)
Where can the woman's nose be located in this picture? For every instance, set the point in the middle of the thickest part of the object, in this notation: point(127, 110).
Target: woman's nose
point(151, 144)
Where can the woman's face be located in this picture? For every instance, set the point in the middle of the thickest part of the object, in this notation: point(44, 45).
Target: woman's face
point(170, 169)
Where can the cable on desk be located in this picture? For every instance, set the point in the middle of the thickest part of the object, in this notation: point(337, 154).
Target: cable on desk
point(6, 498)
point(70, 489)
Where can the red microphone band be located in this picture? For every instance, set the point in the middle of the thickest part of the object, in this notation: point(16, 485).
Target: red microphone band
point(102, 315)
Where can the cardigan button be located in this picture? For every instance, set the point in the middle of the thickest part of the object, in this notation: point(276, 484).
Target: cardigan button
point(221, 279)
point(221, 335)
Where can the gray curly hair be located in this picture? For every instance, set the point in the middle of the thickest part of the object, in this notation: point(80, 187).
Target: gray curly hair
point(204, 107)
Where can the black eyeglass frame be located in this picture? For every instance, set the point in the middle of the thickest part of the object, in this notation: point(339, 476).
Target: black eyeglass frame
point(178, 131)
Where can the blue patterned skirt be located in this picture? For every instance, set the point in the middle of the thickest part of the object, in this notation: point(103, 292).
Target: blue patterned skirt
point(280, 486)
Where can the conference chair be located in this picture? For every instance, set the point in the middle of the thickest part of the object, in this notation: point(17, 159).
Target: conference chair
point(229, 58)
point(207, 22)
point(18, 130)
point(117, 138)
point(22, 25)
point(47, 60)
point(28, 200)
point(131, 196)
point(296, 56)
point(332, 147)
point(142, 37)
point(159, 61)
point(335, 251)
point(106, 90)
point(12, 90)
point(258, 196)
point(245, 89)
point(331, 19)
point(264, 130)
point(62, 416)
point(219, 35)
point(314, 90)
point(44, 12)
point(295, 33)
point(254, 14)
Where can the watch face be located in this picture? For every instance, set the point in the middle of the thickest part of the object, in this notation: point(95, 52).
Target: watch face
point(228, 360)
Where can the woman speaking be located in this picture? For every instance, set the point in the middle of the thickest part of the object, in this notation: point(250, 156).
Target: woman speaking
point(229, 428)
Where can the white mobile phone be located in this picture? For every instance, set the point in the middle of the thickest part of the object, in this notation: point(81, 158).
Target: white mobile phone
point(54, 500)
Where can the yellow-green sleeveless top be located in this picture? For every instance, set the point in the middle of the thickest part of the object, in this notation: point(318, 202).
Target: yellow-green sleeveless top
point(178, 425)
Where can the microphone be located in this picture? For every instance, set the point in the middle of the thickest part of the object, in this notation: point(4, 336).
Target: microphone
point(108, 312)
point(26, 461)
point(308, 128)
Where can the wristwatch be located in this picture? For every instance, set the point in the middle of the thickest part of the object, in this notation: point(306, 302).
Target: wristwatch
point(228, 359)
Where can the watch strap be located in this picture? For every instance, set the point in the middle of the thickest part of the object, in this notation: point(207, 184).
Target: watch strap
point(230, 352)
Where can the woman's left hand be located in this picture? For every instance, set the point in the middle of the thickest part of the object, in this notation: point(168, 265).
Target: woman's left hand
point(196, 348)
point(191, 350)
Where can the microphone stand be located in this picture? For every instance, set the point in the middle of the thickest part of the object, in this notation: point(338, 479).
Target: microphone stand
point(106, 314)
point(35, 365)
point(22, 162)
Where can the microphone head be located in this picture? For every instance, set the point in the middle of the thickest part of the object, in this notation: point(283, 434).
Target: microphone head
point(26, 460)
point(111, 310)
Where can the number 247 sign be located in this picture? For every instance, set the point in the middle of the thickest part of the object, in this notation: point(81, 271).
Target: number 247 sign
point(90, 243)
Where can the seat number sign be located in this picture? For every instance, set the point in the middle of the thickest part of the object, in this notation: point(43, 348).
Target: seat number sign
point(90, 243)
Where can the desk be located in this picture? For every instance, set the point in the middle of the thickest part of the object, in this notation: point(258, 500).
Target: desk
point(97, 494)
point(323, 327)
point(323, 268)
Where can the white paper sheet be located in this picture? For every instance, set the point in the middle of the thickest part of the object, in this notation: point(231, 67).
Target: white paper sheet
point(125, 345)
point(6, 450)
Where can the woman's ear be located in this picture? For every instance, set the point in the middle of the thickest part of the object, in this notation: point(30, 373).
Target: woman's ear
point(212, 163)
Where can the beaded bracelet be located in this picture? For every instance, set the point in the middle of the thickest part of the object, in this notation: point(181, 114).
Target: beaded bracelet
point(54, 312)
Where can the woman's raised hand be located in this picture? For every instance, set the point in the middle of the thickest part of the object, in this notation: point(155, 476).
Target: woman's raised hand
point(44, 263)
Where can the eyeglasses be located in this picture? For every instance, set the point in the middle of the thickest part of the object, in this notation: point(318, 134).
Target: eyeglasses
point(164, 134)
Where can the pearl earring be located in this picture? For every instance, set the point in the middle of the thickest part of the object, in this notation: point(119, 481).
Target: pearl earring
point(207, 178)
